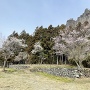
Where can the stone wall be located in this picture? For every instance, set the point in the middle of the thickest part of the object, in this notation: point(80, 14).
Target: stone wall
point(65, 72)
point(19, 66)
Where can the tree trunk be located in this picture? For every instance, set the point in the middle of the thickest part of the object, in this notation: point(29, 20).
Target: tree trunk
point(60, 60)
point(78, 65)
point(4, 64)
point(65, 60)
point(57, 60)
point(41, 61)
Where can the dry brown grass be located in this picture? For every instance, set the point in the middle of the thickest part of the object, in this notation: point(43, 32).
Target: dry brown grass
point(26, 80)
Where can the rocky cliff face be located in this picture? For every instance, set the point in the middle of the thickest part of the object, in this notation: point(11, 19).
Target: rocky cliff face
point(84, 17)
point(70, 22)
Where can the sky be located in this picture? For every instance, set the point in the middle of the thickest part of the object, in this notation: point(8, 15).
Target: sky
point(26, 15)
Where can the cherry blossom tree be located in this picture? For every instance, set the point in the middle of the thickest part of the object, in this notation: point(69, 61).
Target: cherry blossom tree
point(74, 43)
point(58, 47)
point(11, 46)
point(2, 39)
point(22, 56)
point(38, 49)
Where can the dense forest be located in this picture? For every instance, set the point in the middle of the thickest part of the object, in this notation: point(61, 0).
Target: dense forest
point(45, 37)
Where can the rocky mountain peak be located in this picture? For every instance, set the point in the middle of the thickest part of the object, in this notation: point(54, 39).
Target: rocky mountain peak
point(87, 11)
point(82, 18)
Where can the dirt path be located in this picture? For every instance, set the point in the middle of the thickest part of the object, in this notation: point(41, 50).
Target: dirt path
point(31, 81)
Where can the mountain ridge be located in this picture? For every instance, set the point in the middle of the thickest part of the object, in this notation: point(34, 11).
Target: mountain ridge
point(82, 18)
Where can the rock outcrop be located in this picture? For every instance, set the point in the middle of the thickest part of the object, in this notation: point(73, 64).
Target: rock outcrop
point(70, 22)
point(84, 17)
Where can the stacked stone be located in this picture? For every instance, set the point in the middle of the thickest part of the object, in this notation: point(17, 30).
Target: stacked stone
point(19, 67)
point(64, 72)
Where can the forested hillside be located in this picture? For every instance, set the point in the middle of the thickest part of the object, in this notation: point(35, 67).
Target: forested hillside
point(64, 44)
point(45, 37)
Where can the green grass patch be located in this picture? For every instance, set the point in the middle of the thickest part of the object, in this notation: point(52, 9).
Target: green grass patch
point(10, 70)
point(1, 76)
point(57, 78)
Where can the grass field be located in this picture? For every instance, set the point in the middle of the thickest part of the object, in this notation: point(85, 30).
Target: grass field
point(25, 80)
